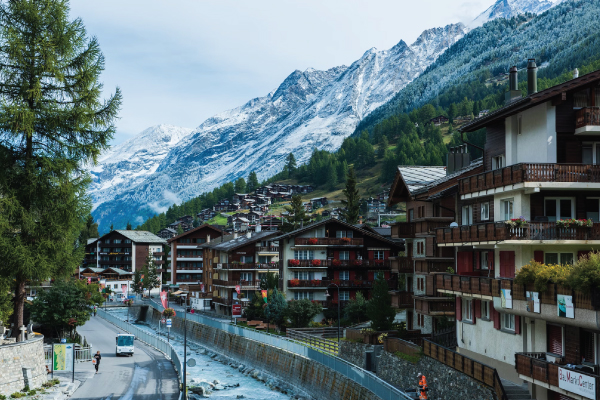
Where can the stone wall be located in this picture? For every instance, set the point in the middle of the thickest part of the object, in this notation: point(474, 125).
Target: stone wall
point(14, 358)
point(445, 383)
point(316, 379)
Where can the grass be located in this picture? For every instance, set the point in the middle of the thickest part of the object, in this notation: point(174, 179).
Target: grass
point(218, 220)
point(414, 358)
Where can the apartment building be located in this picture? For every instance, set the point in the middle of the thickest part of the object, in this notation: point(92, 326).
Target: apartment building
point(329, 253)
point(540, 171)
point(186, 258)
point(237, 265)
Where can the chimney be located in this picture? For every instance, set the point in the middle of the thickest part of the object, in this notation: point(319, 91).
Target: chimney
point(531, 76)
point(360, 220)
point(457, 158)
point(575, 73)
point(248, 234)
point(207, 238)
point(258, 228)
point(235, 235)
point(513, 86)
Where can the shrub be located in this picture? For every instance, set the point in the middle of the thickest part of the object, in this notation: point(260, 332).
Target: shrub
point(316, 263)
point(541, 275)
point(410, 358)
point(585, 274)
point(301, 312)
point(168, 312)
point(17, 395)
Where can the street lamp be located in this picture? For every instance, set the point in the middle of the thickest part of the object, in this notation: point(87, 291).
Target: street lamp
point(184, 347)
point(327, 294)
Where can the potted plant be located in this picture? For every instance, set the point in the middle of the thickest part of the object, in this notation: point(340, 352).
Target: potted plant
point(315, 282)
point(313, 241)
point(168, 312)
point(336, 262)
point(336, 281)
point(294, 263)
point(316, 263)
point(516, 222)
point(295, 282)
point(358, 282)
point(357, 262)
point(378, 262)
point(346, 240)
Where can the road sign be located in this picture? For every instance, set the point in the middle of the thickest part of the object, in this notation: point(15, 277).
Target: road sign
point(192, 311)
point(169, 323)
point(191, 362)
point(236, 310)
point(63, 340)
point(162, 321)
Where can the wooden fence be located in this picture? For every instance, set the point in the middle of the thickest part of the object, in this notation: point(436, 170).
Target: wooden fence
point(476, 370)
point(393, 345)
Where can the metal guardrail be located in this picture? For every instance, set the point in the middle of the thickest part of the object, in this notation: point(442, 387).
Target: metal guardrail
point(364, 378)
point(151, 340)
point(82, 354)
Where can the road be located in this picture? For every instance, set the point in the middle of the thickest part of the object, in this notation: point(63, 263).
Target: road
point(147, 375)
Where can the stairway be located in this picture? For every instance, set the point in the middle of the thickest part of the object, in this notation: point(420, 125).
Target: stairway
point(516, 392)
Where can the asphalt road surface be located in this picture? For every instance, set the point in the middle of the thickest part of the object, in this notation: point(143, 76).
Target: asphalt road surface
point(147, 375)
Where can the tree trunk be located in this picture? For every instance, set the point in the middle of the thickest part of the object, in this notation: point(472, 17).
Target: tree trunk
point(19, 304)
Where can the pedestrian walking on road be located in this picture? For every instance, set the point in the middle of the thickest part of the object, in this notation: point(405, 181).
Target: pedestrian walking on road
point(95, 309)
point(97, 358)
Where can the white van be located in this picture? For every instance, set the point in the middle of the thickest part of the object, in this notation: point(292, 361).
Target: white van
point(125, 345)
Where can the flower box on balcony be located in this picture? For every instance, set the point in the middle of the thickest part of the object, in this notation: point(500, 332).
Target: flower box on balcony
point(336, 263)
point(315, 282)
point(316, 263)
point(346, 240)
point(295, 263)
point(313, 241)
point(357, 262)
point(358, 282)
point(379, 262)
point(295, 282)
point(336, 281)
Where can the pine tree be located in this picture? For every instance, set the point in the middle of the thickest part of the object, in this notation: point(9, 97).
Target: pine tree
point(379, 307)
point(331, 176)
point(138, 283)
point(352, 202)
point(276, 308)
point(383, 146)
point(290, 165)
point(179, 229)
point(90, 230)
point(240, 186)
point(151, 275)
point(252, 182)
point(112, 228)
point(298, 215)
point(129, 226)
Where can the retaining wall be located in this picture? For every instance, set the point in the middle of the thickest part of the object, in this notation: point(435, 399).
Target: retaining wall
point(14, 358)
point(316, 379)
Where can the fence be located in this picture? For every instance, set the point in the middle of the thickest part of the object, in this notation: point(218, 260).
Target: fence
point(368, 380)
point(317, 338)
point(393, 345)
point(82, 354)
point(151, 340)
point(476, 370)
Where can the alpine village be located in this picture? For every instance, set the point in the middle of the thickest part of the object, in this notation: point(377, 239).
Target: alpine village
point(437, 236)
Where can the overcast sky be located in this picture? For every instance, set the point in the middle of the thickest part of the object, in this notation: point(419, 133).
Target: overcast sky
point(179, 62)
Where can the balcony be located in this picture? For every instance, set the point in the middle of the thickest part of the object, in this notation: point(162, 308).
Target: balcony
point(371, 264)
point(430, 265)
point(472, 285)
point(402, 265)
point(323, 283)
point(246, 266)
point(234, 283)
point(328, 242)
point(189, 258)
point(402, 300)
point(534, 368)
point(427, 226)
point(523, 173)
point(158, 253)
point(498, 231)
point(434, 306)
point(587, 121)
point(267, 249)
point(402, 230)
point(222, 301)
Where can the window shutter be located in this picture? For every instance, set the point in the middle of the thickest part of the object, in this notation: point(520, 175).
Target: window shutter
point(491, 260)
point(476, 261)
point(538, 256)
point(459, 309)
point(477, 307)
point(507, 264)
point(495, 317)
point(517, 325)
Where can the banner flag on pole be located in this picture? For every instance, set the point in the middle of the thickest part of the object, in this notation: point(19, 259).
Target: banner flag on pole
point(264, 295)
point(163, 299)
point(238, 289)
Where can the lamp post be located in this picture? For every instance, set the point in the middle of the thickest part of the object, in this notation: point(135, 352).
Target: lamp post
point(183, 295)
point(327, 294)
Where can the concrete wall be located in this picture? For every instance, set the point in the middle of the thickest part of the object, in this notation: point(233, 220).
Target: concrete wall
point(482, 338)
point(537, 142)
point(15, 357)
point(316, 379)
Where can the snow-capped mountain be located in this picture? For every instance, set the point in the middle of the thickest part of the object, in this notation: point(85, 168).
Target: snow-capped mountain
point(511, 8)
point(310, 109)
point(131, 162)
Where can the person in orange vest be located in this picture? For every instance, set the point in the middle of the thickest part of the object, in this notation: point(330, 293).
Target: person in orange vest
point(422, 386)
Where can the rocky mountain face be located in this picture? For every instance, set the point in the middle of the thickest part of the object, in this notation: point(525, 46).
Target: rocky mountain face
point(310, 109)
point(511, 8)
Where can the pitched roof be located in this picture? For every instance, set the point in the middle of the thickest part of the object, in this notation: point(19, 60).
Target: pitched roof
point(118, 271)
point(529, 101)
point(242, 240)
point(93, 269)
point(194, 230)
point(141, 236)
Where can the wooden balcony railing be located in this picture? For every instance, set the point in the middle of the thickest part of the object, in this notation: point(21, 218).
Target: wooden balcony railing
point(402, 265)
point(427, 226)
point(402, 300)
point(403, 230)
point(434, 307)
point(267, 249)
point(431, 266)
point(535, 366)
point(323, 283)
point(328, 241)
point(587, 116)
point(222, 300)
point(526, 172)
point(372, 264)
point(466, 284)
point(498, 231)
point(244, 284)
point(246, 266)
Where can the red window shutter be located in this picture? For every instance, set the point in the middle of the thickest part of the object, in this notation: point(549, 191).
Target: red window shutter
point(477, 307)
point(496, 317)
point(554, 339)
point(517, 325)
point(507, 264)
point(491, 260)
point(459, 309)
point(538, 256)
point(371, 256)
point(476, 261)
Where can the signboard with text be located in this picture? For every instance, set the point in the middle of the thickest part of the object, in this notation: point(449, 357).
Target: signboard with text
point(565, 306)
point(533, 301)
point(506, 298)
point(578, 383)
point(63, 357)
point(236, 310)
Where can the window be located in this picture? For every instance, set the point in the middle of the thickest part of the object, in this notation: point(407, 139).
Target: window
point(508, 322)
point(485, 211)
point(558, 258)
point(303, 295)
point(558, 208)
point(592, 208)
point(498, 162)
point(303, 254)
point(246, 276)
point(344, 275)
point(519, 124)
point(378, 255)
point(507, 209)
point(485, 310)
point(117, 241)
point(344, 255)
point(467, 215)
point(344, 295)
point(467, 310)
point(411, 214)
point(127, 240)
point(484, 260)
point(343, 234)
point(304, 275)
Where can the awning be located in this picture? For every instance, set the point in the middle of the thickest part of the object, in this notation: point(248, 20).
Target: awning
point(177, 292)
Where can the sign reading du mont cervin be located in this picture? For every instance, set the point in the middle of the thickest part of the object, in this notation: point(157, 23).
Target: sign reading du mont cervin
point(575, 382)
